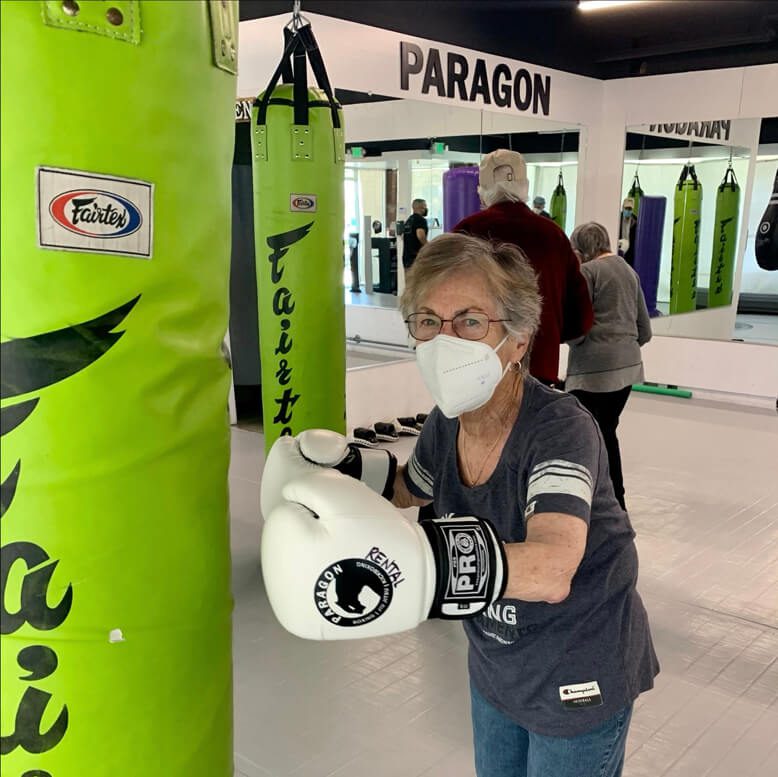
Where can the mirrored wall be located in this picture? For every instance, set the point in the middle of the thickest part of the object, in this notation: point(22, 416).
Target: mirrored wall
point(697, 192)
point(401, 151)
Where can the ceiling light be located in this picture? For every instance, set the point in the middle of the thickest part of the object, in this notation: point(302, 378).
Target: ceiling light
point(604, 5)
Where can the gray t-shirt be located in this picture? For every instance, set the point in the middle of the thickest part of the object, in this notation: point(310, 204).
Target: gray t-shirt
point(555, 669)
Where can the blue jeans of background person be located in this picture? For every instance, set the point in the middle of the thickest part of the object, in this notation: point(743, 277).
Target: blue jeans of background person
point(505, 749)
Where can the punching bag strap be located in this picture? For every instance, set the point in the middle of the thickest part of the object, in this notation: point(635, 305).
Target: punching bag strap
point(687, 172)
point(287, 74)
point(729, 180)
point(319, 71)
point(284, 66)
point(300, 95)
point(300, 43)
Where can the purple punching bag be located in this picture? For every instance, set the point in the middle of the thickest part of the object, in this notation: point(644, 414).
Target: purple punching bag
point(648, 247)
point(460, 195)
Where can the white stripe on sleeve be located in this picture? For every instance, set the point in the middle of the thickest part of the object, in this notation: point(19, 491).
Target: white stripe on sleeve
point(419, 476)
point(560, 477)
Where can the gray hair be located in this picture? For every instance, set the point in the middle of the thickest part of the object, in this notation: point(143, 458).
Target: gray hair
point(590, 240)
point(505, 268)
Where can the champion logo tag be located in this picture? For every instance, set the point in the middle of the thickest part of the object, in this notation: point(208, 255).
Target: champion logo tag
point(580, 695)
point(302, 202)
point(81, 211)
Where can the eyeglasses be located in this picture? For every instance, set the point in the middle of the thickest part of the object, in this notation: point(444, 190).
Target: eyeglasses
point(468, 326)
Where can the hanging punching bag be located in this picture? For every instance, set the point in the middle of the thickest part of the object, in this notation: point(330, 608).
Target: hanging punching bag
point(766, 242)
point(116, 147)
point(298, 156)
point(460, 195)
point(635, 192)
point(558, 206)
point(686, 241)
point(722, 263)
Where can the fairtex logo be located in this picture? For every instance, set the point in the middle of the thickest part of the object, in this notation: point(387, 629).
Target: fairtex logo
point(302, 202)
point(95, 213)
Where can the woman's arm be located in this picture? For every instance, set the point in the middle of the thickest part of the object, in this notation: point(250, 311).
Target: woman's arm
point(402, 497)
point(541, 569)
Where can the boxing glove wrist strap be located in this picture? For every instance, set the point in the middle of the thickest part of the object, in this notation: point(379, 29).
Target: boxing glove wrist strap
point(376, 468)
point(470, 563)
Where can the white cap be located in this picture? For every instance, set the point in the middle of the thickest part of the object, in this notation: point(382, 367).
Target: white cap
point(503, 174)
point(502, 165)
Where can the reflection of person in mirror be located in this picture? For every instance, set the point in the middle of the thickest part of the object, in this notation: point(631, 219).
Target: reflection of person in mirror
point(603, 365)
point(539, 207)
point(415, 232)
point(567, 310)
point(628, 223)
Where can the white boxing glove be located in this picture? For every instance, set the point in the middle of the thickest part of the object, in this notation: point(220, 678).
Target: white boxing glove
point(340, 562)
point(313, 449)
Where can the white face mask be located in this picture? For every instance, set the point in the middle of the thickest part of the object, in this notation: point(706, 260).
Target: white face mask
point(460, 374)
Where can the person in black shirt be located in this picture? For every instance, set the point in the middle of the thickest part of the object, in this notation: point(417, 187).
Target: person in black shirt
point(415, 232)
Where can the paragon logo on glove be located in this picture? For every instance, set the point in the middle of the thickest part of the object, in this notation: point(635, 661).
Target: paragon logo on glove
point(353, 592)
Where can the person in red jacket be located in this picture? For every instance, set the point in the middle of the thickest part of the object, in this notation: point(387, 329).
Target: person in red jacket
point(567, 309)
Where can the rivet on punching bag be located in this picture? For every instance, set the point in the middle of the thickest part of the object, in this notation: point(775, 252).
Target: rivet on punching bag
point(298, 154)
point(686, 241)
point(722, 263)
point(116, 145)
point(558, 206)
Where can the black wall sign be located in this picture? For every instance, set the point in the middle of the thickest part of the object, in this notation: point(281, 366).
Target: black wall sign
point(705, 130)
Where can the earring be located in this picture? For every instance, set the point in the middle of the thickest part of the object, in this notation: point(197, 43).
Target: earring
point(516, 366)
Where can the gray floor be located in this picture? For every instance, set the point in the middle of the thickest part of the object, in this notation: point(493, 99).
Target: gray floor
point(702, 486)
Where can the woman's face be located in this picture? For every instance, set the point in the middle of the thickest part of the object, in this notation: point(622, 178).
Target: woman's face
point(468, 292)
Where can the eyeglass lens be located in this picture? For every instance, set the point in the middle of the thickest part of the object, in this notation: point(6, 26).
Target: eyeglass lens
point(469, 326)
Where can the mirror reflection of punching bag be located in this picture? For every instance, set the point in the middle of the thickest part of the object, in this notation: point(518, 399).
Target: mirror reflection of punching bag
point(558, 207)
point(722, 263)
point(298, 155)
point(766, 242)
point(635, 193)
point(686, 241)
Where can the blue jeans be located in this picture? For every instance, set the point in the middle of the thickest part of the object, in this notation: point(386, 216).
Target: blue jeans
point(505, 749)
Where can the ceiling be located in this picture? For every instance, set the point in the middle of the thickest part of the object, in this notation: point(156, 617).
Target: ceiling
point(643, 38)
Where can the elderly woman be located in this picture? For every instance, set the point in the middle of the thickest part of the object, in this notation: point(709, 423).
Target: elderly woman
point(560, 652)
point(604, 364)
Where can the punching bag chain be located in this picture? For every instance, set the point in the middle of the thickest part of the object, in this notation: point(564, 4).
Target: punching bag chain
point(297, 20)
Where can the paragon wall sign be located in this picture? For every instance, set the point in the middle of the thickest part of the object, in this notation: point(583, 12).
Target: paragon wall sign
point(469, 79)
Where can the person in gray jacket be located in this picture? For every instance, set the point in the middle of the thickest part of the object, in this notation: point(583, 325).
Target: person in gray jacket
point(603, 365)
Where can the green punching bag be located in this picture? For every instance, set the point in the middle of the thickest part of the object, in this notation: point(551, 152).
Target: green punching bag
point(686, 242)
point(635, 192)
point(722, 263)
point(117, 136)
point(558, 206)
point(298, 154)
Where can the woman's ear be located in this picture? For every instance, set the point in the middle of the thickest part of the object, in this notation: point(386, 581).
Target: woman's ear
point(520, 347)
